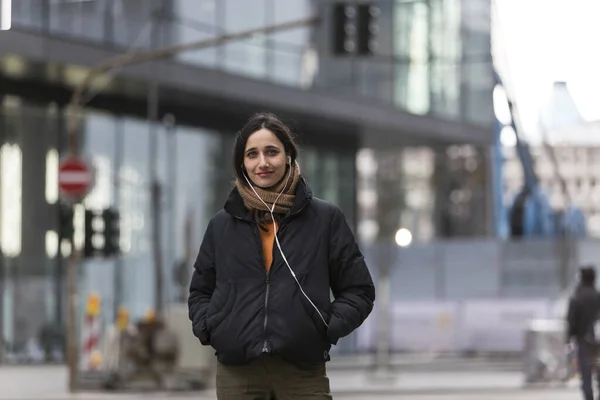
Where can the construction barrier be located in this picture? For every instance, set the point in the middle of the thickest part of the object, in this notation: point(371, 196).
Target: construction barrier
point(91, 330)
point(469, 326)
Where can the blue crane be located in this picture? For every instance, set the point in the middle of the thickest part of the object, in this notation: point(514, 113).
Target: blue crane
point(530, 215)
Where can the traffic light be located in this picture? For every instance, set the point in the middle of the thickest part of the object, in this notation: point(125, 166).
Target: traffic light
point(366, 29)
point(93, 234)
point(355, 28)
point(102, 232)
point(112, 231)
point(343, 29)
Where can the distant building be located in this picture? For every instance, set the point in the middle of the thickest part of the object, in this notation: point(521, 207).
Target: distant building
point(560, 113)
point(578, 164)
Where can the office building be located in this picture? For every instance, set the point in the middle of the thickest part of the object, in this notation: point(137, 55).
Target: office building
point(428, 82)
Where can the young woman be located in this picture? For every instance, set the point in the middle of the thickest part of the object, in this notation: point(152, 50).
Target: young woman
point(260, 292)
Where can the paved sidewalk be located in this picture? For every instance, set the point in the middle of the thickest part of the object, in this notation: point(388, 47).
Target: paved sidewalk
point(365, 382)
point(433, 362)
point(49, 383)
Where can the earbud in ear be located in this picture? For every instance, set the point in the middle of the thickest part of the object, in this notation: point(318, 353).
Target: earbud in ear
point(290, 160)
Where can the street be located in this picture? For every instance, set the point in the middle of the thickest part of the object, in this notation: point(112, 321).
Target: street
point(49, 383)
point(529, 395)
point(533, 395)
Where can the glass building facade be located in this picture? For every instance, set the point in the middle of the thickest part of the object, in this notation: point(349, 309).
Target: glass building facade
point(433, 56)
point(432, 60)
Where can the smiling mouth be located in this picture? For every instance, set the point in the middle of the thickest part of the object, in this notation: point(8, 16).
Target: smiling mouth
point(263, 174)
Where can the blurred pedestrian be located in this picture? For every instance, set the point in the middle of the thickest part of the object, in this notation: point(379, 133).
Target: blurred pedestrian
point(260, 291)
point(583, 313)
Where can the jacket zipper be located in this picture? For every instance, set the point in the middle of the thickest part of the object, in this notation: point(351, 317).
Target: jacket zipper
point(265, 348)
point(265, 344)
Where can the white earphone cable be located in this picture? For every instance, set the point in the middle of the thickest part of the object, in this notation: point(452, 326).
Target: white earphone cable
point(271, 209)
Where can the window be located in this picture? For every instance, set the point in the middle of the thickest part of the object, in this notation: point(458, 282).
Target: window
point(136, 216)
point(84, 19)
point(411, 25)
point(130, 22)
point(194, 20)
point(195, 186)
point(290, 51)
point(29, 13)
point(246, 57)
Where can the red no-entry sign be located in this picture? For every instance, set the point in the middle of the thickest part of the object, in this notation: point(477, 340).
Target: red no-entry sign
point(75, 178)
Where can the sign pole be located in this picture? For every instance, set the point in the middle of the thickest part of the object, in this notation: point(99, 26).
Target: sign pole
point(72, 347)
point(75, 179)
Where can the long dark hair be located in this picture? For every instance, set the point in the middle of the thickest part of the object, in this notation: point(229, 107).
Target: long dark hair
point(280, 130)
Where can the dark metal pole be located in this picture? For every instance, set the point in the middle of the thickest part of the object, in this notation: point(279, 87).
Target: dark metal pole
point(169, 125)
point(118, 270)
point(72, 337)
point(382, 353)
point(155, 190)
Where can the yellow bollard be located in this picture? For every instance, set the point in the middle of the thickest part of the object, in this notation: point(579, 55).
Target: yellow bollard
point(122, 318)
point(94, 304)
point(150, 315)
point(95, 360)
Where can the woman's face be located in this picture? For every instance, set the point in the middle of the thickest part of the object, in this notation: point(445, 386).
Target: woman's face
point(264, 158)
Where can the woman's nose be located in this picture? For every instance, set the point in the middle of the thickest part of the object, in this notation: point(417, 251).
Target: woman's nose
point(263, 161)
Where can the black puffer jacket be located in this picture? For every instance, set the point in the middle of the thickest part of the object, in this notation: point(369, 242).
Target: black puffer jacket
point(243, 311)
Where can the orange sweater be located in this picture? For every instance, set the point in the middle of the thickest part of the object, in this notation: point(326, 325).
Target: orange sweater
point(268, 240)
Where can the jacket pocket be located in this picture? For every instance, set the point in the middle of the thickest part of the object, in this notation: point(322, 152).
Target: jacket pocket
point(220, 306)
point(316, 319)
point(200, 331)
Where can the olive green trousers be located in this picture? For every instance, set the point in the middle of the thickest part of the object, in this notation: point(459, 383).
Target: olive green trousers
point(272, 378)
